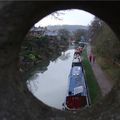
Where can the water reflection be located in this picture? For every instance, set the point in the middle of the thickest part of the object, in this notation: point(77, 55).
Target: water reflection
point(64, 56)
point(51, 86)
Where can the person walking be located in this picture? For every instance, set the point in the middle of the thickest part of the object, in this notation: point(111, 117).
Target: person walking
point(90, 57)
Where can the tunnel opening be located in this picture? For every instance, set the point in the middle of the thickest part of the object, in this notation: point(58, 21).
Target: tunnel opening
point(31, 54)
point(30, 109)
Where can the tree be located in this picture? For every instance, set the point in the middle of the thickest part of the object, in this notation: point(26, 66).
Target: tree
point(94, 28)
point(64, 34)
point(57, 14)
point(104, 40)
point(80, 35)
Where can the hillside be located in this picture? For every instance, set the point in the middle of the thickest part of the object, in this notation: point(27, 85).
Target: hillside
point(70, 28)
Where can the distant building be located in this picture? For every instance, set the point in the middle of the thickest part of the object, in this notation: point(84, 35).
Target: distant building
point(51, 33)
point(38, 31)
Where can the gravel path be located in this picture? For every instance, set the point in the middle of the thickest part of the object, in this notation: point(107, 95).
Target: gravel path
point(103, 81)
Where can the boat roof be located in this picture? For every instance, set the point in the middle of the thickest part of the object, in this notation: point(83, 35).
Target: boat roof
point(77, 81)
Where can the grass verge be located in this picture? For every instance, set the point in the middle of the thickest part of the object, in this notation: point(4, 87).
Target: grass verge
point(93, 87)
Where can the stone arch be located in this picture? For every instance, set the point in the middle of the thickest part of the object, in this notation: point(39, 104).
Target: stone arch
point(16, 18)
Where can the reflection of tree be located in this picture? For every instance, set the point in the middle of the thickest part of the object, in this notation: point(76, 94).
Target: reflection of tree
point(64, 56)
point(35, 83)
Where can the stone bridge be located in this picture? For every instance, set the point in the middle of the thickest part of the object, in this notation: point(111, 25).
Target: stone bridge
point(16, 102)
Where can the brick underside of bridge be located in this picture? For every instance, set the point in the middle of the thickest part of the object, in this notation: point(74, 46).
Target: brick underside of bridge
point(16, 102)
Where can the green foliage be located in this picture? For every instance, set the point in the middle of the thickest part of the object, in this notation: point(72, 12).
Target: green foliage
point(64, 34)
point(107, 48)
point(32, 57)
point(93, 87)
point(78, 34)
point(104, 41)
point(36, 49)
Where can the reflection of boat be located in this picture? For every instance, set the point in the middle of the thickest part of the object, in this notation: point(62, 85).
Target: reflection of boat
point(77, 95)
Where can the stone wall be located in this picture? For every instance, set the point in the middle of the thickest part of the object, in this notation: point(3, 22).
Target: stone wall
point(16, 102)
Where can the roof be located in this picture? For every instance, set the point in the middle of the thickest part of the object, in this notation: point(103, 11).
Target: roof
point(77, 81)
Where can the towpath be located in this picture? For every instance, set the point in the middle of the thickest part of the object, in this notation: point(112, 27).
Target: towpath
point(102, 79)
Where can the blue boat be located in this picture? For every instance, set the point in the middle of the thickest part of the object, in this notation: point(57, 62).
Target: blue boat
point(77, 96)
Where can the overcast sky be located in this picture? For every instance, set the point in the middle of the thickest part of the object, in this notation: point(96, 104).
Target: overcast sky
point(70, 17)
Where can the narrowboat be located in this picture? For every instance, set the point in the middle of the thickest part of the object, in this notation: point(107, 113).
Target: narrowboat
point(77, 96)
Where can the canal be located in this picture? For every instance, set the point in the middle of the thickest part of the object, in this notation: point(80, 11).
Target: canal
point(51, 86)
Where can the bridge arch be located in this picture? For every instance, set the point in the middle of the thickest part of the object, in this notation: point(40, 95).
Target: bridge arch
point(16, 18)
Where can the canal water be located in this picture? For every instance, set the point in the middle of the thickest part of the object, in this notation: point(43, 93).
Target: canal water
point(51, 86)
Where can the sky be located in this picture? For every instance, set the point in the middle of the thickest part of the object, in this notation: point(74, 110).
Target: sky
point(70, 17)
